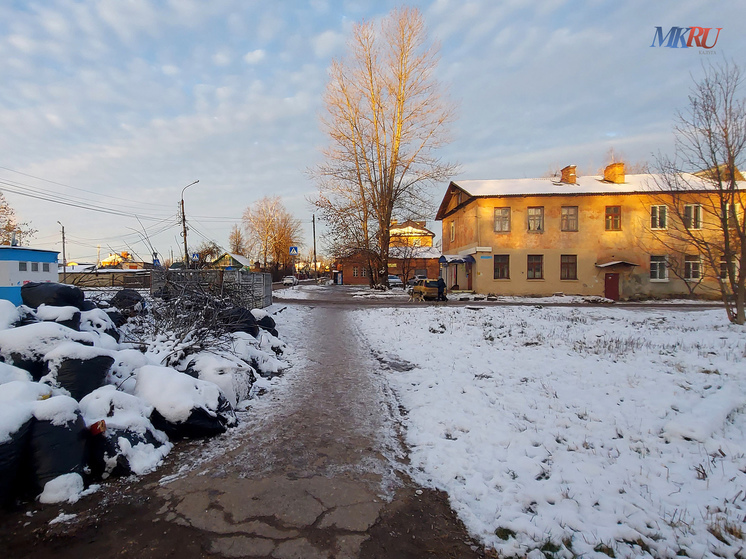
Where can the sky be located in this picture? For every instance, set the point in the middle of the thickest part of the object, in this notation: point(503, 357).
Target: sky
point(118, 105)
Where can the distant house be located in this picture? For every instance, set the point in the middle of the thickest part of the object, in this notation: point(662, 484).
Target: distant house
point(21, 265)
point(231, 260)
point(411, 253)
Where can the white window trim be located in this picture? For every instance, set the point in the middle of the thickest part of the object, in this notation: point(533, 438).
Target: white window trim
point(665, 262)
point(696, 221)
point(698, 261)
point(494, 217)
point(657, 209)
point(453, 231)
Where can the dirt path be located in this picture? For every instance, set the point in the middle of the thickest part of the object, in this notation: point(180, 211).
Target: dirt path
point(315, 472)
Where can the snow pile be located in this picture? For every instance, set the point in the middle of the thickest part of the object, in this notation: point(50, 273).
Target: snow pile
point(85, 406)
point(580, 432)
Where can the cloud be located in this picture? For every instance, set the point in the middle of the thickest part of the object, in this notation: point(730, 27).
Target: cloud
point(170, 69)
point(254, 56)
point(326, 43)
point(222, 58)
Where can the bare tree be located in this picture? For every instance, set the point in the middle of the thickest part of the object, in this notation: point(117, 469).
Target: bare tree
point(237, 241)
point(386, 117)
point(273, 230)
point(206, 252)
point(9, 225)
point(707, 206)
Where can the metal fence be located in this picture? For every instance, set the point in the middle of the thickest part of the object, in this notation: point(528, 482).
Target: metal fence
point(248, 289)
point(125, 279)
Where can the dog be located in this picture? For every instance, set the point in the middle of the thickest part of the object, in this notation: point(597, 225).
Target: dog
point(416, 297)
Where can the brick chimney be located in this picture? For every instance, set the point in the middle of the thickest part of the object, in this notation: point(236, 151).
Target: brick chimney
point(614, 173)
point(568, 175)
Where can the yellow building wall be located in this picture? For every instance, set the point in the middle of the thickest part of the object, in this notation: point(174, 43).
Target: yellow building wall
point(592, 244)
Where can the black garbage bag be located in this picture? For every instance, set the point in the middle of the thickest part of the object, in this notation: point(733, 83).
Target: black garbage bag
point(127, 299)
point(88, 305)
point(34, 294)
point(56, 450)
point(266, 322)
point(117, 318)
point(104, 453)
point(200, 423)
point(80, 377)
point(13, 453)
point(26, 316)
point(239, 319)
point(34, 363)
point(72, 323)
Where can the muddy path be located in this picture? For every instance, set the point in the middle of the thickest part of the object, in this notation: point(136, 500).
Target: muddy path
point(316, 470)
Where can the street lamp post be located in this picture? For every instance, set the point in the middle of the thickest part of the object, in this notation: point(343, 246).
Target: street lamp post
point(183, 224)
point(64, 256)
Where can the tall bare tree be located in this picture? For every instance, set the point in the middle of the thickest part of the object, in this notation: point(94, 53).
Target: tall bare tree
point(273, 230)
point(9, 225)
point(386, 118)
point(707, 206)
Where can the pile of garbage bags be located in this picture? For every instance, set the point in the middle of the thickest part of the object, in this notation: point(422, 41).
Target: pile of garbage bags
point(80, 403)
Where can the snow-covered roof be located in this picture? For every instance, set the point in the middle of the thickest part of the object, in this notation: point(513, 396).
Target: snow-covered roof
point(615, 263)
point(240, 259)
point(584, 185)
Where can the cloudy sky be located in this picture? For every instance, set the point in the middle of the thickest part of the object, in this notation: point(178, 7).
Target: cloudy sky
point(113, 106)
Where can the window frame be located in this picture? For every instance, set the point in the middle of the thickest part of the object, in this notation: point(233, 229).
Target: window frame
point(693, 222)
point(503, 266)
point(23, 266)
point(692, 262)
point(534, 219)
point(363, 271)
point(354, 271)
point(566, 219)
point(45, 266)
point(568, 267)
point(453, 231)
point(659, 217)
point(531, 267)
point(34, 266)
point(724, 268)
point(663, 260)
point(503, 219)
point(613, 220)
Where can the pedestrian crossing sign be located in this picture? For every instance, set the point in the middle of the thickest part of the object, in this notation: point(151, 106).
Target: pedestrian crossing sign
point(293, 251)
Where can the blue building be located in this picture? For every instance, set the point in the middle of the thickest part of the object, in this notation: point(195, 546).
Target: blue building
point(20, 265)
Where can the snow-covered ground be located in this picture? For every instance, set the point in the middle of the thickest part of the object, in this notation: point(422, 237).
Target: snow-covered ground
point(571, 432)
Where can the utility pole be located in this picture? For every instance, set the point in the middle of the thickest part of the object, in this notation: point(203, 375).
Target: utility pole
point(315, 267)
point(183, 224)
point(64, 256)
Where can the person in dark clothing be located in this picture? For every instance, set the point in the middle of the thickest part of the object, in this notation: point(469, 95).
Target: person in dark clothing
point(441, 290)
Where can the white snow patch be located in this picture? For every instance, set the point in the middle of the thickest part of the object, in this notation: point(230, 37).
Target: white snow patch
point(55, 314)
point(64, 488)
point(175, 394)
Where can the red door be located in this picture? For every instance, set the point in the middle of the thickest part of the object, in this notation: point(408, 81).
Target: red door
point(611, 287)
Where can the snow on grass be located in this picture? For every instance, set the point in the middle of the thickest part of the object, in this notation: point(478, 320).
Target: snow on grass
point(580, 431)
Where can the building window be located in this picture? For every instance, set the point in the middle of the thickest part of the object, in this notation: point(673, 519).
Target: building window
point(502, 220)
point(693, 216)
point(658, 217)
point(535, 267)
point(536, 219)
point(45, 267)
point(569, 218)
point(724, 269)
point(453, 231)
point(692, 267)
point(613, 218)
point(658, 268)
point(22, 266)
point(354, 271)
point(34, 266)
point(569, 267)
point(732, 214)
point(502, 266)
point(364, 271)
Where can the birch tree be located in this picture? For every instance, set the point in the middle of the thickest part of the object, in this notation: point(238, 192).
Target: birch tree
point(707, 205)
point(385, 119)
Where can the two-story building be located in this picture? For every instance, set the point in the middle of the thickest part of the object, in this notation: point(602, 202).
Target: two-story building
point(591, 235)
